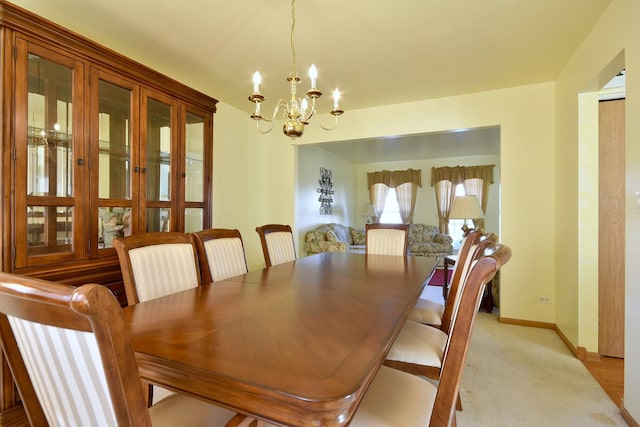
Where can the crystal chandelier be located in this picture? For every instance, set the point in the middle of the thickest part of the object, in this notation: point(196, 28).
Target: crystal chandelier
point(297, 111)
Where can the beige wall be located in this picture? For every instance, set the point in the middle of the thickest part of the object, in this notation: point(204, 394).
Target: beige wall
point(526, 117)
point(612, 44)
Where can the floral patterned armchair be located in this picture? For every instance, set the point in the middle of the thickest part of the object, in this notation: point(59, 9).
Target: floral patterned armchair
point(334, 238)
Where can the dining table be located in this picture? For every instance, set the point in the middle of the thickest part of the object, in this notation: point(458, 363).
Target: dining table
point(295, 344)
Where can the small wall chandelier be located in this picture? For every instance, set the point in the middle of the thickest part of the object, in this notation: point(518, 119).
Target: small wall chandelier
point(297, 111)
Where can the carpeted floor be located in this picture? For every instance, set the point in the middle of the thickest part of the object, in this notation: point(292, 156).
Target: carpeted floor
point(524, 376)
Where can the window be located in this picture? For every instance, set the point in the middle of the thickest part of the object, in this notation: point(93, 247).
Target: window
point(391, 211)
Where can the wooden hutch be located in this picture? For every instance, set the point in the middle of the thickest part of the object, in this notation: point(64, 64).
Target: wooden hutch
point(94, 146)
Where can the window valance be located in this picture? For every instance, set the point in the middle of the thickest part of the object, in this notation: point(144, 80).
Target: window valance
point(394, 178)
point(457, 174)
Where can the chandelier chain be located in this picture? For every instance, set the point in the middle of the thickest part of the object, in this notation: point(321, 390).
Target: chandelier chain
point(292, 39)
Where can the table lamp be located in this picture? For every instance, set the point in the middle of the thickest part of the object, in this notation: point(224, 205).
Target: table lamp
point(465, 207)
point(368, 212)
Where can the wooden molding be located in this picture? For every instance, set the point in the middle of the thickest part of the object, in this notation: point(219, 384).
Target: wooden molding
point(544, 325)
point(628, 418)
point(572, 348)
point(521, 322)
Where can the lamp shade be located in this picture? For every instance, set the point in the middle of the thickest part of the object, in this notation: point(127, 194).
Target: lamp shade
point(466, 207)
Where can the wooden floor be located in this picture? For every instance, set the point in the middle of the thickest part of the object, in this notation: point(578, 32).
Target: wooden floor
point(609, 372)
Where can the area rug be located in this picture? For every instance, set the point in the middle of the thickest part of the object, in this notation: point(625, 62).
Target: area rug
point(438, 277)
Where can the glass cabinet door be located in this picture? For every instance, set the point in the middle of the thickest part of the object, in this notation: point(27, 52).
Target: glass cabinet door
point(49, 159)
point(157, 174)
point(197, 181)
point(112, 133)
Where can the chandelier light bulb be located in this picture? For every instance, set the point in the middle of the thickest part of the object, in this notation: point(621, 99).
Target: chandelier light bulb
point(257, 79)
point(336, 98)
point(313, 75)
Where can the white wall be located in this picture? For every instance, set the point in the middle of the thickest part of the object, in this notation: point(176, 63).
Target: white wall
point(345, 208)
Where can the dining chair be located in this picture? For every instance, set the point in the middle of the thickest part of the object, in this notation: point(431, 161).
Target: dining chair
point(73, 363)
point(154, 265)
point(430, 312)
point(220, 254)
point(397, 398)
point(386, 239)
point(277, 243)
point(157, 264)
point(420, 349)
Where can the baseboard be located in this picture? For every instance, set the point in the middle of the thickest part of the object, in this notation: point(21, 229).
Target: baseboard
point(568, 343)
point(628, 418)
point(531, 323)
point(544, 325)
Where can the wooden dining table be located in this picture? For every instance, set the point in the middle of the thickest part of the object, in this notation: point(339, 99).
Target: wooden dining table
point(295, 344)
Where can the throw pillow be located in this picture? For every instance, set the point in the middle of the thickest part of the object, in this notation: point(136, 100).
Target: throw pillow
point(358, 237)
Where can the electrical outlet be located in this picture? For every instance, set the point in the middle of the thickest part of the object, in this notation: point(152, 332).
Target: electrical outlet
point(544, 300)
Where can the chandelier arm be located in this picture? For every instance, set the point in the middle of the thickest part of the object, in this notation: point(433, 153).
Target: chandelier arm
point(328, 127)
point(264, 130)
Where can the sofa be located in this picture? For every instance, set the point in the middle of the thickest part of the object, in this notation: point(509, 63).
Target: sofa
point(334, 238)
point(424, 240)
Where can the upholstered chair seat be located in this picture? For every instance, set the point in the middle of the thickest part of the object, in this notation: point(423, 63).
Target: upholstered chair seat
point(419, 344)
point(428, 312)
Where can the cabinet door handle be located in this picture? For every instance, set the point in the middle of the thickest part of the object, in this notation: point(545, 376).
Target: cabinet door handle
point(80, 162)
point(144, 170)
point(136, 169)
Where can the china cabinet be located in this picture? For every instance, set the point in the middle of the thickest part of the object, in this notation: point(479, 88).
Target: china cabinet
point(94, 146)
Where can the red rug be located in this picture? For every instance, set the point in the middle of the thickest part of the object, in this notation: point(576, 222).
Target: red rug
point(438, 277)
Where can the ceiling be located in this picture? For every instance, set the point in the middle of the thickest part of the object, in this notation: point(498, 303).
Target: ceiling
point(376, 53)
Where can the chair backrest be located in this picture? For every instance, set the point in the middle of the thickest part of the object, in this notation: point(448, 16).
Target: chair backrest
point(277, 243)
point(471, 249)
point(68, 354)
point(157, 264)
point(220, 254)
point(386, 239)
point(481, 271)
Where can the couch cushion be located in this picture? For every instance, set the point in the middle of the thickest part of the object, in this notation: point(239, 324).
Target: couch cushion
point(341, 232)
point(358, 236)
point(422, 233)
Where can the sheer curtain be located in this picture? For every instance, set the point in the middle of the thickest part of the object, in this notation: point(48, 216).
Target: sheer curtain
point(477, 187)
point(406, 194)
point(406, 184)
point(378, 195)
point(445, 192)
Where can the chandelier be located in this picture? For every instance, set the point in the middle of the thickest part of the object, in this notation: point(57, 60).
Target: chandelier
point(297, 111)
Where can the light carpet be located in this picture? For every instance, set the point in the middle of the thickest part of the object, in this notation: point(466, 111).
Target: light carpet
point(525, 376)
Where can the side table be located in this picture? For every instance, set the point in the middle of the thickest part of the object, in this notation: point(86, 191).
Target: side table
point(449, 261)
point(487, 299)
